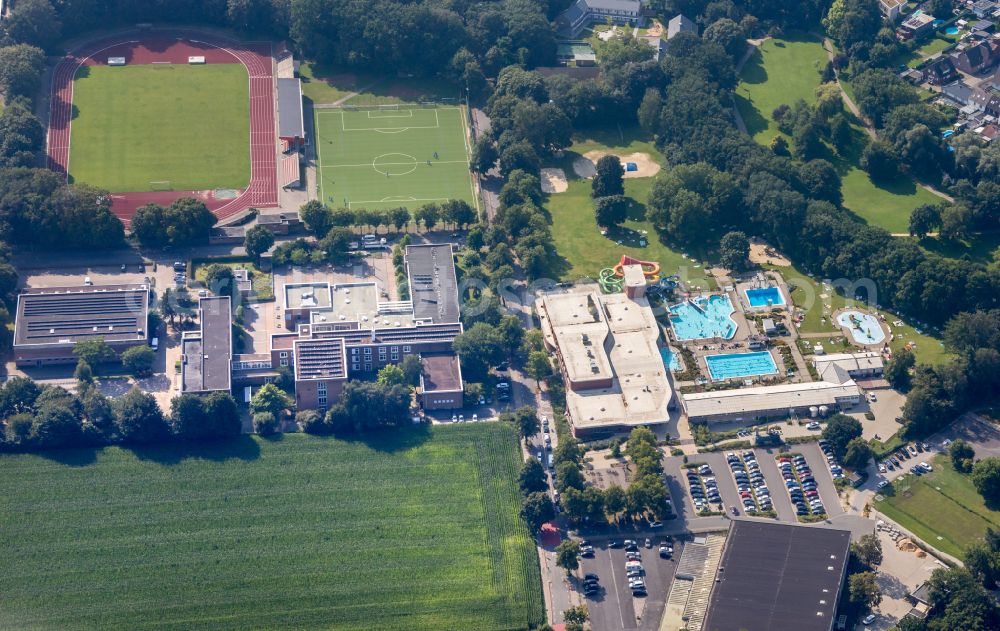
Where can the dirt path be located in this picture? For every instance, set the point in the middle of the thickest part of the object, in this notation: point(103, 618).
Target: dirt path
point(752, 45)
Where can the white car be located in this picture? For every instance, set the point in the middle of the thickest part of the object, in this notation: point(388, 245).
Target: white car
point(872, 397)
point(870, 618)
point(882, 484)
point(926, 467)
point(813, 425)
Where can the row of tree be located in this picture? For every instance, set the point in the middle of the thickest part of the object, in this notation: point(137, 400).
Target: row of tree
point(50, 417)
point(320, 219)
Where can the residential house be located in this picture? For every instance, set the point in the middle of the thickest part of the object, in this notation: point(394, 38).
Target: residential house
point(916, 26)
point(978, 57)
point(940, 71)
point(987, 101)
point(958, 92)
point(680, 24)
point(891, 8)
point(984, 8)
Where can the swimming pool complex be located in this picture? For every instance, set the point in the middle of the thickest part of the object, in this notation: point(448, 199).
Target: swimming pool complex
point(703, 318)
point(864, 328)
point(671, 360)
point(765, 297)
point(740, 365)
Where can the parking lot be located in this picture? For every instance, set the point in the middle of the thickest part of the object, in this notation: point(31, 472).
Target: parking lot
point(613, 606)
point(782, 505)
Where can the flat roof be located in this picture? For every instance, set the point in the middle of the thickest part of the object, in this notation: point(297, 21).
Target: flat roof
point(778, 576)
point(63, 316)
point(430, 270)
point(290, 118)
point(768, 398)
point(307, 295)
point(441, 373)
point(621, 345)
point(320, 358)
point(208, 354)
point(849, 361)
point(362, 303)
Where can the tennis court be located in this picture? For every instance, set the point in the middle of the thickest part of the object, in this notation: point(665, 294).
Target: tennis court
point(385, 157)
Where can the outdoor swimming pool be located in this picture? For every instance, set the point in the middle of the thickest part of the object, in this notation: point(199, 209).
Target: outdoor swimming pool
point(703, 318)
point(864, 328)
point(671, 360)
point(765, 297)
point(740, 365)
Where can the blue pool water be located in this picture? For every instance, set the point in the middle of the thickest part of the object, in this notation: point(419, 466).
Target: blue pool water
point(951, 30)
point(703, 318)
point(937, 23)
point(671, 360)
point(740, 365)
point(765, 297)
point(864, 328)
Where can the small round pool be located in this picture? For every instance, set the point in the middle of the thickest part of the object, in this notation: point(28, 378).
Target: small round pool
point(951, 30)
point(864, 328)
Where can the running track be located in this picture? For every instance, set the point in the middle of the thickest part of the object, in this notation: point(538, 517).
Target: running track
point(176, 46)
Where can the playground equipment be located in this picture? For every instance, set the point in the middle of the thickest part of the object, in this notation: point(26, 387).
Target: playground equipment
point(610, 284)
point(649, 268)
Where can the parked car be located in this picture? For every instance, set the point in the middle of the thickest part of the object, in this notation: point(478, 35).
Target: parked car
point(882, 484)
point(870, 618)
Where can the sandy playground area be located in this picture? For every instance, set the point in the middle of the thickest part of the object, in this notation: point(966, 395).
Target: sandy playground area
point(554, 181)
point(585, 167)
point(763, 254)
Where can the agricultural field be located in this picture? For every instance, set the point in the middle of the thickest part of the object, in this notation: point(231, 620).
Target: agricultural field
point(943, 508)
point(783, 71)
point(382, 158)
point(579, 240)
point(415, 529)
point(136, 125)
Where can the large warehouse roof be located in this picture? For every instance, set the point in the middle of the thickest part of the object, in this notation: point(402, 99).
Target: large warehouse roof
point(763, 399)
point(60, 316)
point(290, 119)
point(778, 576)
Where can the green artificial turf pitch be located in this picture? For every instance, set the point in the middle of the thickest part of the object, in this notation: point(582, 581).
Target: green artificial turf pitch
point(417, 528)
point(186, 125)
point(386, 158)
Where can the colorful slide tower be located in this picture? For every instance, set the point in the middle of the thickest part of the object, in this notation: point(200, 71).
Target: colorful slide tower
point(612, 279)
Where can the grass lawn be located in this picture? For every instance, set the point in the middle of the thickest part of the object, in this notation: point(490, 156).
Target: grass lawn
point(414, 529)
point(189, 125)
point(263, 282)
point(780, 72)
point(324, 84)
point(943, 508)
point(783, 71)
point(981, 248)
point(579, 240)
point(382, 159)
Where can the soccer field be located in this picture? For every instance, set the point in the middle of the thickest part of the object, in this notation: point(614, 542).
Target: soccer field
point(415, 529)
point(186, 125)
point(385, 158)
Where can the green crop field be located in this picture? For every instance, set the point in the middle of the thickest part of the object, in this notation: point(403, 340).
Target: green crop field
point(186, 125)
point(417, 529)
point(943, 508)
point(383, 158)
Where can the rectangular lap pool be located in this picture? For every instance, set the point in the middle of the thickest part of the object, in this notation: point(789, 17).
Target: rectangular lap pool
point(740, 365)
point(765, 297)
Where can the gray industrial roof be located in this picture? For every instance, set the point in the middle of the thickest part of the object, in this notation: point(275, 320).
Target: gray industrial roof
point(53, 316)
point(208, 354)
point(433, 285)
point(441, 373)
point(290, 124)
point(778, 576)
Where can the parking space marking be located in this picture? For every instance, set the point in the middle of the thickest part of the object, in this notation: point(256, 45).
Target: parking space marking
point(776, 485)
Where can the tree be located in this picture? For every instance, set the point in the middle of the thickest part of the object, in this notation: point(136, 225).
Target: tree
point(429, 215)
point(897, 370)
point(94, 351)
point(265, 424)
point(956, 222)
point(532, 478)
point(336, 244)
point(962, 455)
point(391, 375)
point(568, 476)
point(615, 500)
point(863, 590)
point(270, 399)
point(317, 218)
point(526, 420)
point(34, 22)
point(222, 415)
point(257, 241)
point(925, 219)
point(18, 395)
point(187, 415)
point(857, 454)
point(880, 161)
point(83, 374)
point(21, 68)
point(187, 220)
point(869, 550)
point(55, 426)
point(21, 134)
point(138, 418)
point(727, 34)
point(568, 555)
point(983, 562)
point(538, 365)
point(611, 210)
point(839, 431)
point(734, 251)
point(577, 615)
point(220, 279)
point(149, 225)
point(412, 368)
point(484, 155)
point(608, 177)
point(986, 478)
point(519, 156)
point(649, 109)
point(139, 360)
point(479, 347)
point(536, 509)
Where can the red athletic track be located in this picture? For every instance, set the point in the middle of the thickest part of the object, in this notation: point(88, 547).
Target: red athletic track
point(175, 47)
